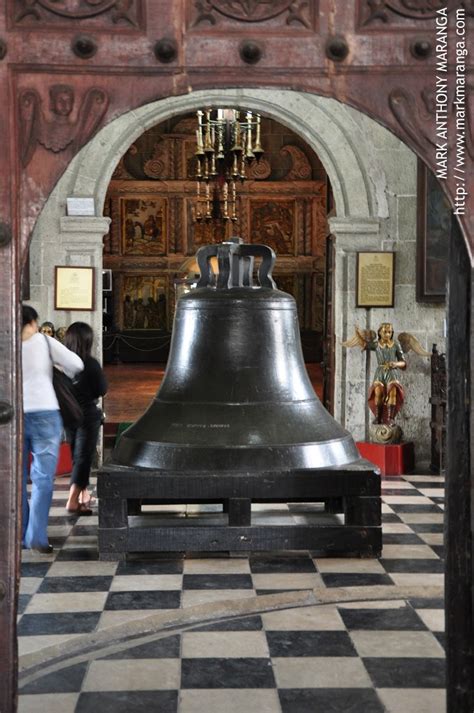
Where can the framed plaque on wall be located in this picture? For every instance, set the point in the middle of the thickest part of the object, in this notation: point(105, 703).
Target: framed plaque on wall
point(375, 279)
point(74, 288)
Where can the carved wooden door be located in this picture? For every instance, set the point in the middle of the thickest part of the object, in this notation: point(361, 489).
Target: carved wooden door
point(68, 67)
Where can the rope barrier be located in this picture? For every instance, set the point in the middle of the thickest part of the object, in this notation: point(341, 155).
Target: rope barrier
point(160, 342)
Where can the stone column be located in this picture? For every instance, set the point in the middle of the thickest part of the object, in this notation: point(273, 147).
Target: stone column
point(80, 243)
point(351, 381)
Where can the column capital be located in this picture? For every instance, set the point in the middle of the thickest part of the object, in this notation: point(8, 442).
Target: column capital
point(85, 225)
point(354, 225)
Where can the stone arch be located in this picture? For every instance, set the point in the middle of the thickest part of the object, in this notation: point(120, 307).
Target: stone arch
point(324, 123)
point(342, 137)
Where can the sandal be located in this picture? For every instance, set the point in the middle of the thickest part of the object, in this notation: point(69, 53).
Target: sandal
point(80, 510)
point(88, 501)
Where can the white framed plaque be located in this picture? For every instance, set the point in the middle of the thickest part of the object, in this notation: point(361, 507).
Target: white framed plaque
point(74, 288)
point(80, 206)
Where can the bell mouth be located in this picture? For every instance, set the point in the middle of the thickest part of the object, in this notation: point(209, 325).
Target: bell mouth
point(221, 436)
point(177, 457)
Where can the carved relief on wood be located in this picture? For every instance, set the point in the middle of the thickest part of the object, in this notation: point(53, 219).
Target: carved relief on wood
point(243, 226)
point(202, 233)
point(61, 131)
point(377, 13)
point(174, 227)
point(286, 283)
point(301, 168)
point(235, 13)
point(260, 170)
point(319, 229)
point(273, 223)
point(413, 120)
point(301, 214)
point(93, 13)
point(159, 163)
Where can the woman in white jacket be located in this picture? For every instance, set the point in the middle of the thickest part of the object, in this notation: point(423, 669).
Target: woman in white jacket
point(42, 426)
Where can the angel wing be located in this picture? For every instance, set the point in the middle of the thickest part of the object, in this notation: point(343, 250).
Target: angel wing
point(93, 107)
point(360, 338)
point(410, 342)
point(31, 120)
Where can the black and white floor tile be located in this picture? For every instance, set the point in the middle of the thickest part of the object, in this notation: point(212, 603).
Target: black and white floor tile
point(366, 657)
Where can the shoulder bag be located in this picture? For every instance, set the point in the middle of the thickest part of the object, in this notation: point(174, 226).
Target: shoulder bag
point(69, 406)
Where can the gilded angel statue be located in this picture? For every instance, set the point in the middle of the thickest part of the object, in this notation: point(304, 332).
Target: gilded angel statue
point(61, 131)
point(386, 394)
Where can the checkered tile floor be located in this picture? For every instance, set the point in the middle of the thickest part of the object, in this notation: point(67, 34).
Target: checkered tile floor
point(363, 657)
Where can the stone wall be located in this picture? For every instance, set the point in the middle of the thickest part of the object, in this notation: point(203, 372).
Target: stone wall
point(396, 176)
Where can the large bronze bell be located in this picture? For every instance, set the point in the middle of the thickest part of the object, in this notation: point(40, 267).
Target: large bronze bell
point(236, 394)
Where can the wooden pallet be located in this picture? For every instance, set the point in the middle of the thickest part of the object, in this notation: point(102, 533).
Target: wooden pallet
point(353, 490)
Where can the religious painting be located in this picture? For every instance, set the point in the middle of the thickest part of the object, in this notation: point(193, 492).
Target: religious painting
point(143, 222)
point(434, 217)
point(272, 222)
point(144, 302)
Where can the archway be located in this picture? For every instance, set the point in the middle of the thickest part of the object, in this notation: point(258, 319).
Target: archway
point(364, 174)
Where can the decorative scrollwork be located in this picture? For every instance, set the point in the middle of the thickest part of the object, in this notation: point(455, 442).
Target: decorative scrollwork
point(404, 107)
point(157, 165)
point(259, 171)
point(413, 9)
point(301, 168)
point(252, 11)
point(76, 9)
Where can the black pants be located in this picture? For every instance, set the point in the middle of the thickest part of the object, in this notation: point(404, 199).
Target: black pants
point(83, 442)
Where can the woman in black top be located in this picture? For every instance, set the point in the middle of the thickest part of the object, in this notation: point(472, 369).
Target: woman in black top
point(89, 386)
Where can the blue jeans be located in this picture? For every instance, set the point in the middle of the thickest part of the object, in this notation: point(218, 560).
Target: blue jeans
point(42, 437)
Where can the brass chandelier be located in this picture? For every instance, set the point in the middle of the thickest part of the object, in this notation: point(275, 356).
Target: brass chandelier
point(226, 145)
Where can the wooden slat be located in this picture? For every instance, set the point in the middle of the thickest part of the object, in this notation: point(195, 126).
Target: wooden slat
point(133, 483)
point(338, 539)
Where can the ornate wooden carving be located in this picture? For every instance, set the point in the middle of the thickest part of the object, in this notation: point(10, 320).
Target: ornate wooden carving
point(392, 11)
point(158, 165)
point(273, 223)
point(267, 211)
point(259, 171)
point(61, 131)
point(290, 12)
point(174, 226)
point(118, 13)
point(301, 167)
point(404, 107)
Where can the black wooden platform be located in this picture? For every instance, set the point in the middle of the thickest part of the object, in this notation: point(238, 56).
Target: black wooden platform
point(353, 489)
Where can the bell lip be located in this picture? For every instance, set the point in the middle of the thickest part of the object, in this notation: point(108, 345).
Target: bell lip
point(305, 456)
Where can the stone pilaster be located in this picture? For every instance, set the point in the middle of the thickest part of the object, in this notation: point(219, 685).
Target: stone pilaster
point(351, 381)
